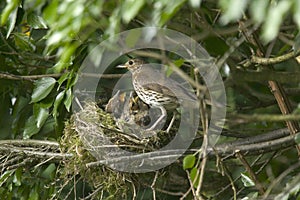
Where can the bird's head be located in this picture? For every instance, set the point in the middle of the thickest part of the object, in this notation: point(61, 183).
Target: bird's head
point(132, 65)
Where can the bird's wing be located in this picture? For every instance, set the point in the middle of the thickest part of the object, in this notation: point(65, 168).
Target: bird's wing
point(166, 85)
point(159, 89)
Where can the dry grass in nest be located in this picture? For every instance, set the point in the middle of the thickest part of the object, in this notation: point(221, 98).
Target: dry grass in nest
point(86, 137)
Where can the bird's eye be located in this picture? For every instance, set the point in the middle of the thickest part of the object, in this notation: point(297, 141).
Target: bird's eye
point(130, 62)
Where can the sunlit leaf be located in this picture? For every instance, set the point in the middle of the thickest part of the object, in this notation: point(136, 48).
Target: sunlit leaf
point(195, 3)
point(296, 8)
point(17, 177)
point(50, 12)
point(12, 22)
point(233, 10)
point(62, 79)
point(10, 7)
point(258, 10)
point(68, 99)
point(41, 116)
point(30, 128)
point(57, 102)
point(189, 161)
point(42, 88)
point(194, 176)
point(5, 176)
point(247, 181)
point(274, 19)
point(167, 11)
point(130, 9)
point(36, 21)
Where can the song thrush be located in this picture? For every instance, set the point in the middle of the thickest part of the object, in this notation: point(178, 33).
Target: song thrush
point(157, 90)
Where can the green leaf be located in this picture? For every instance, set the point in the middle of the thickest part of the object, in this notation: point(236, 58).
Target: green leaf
point(36, 22)
point(194, 176)
point(189, 161)
point(50, 12)
point(297, 138)
point(10, 7)
point(274, 19)
point(41, 116)
point(57, 102)
point(68, 99)
point(130, 9)
point(296, 8)
point(30, 128)
point(49, 172)
point(24, 42)
point(195, 3)
point(5, 176)
point(34, 194)
point(258, 9)
point(17, 177)
point(42, 88)
point(247, 181)
point(233, 10)
point(12, 22)
point(168, 11)
point(62, 79)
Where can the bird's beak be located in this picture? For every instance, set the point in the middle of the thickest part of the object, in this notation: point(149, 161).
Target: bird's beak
point(122, 66)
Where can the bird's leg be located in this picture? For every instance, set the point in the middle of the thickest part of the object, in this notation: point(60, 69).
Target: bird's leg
point(172, 121)
point(163, 114)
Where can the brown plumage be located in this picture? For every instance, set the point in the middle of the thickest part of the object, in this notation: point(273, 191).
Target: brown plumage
point(155, 89)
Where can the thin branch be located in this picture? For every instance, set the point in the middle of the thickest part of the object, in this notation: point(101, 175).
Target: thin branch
point(153, 185)
point(251, 149)
point(253, 176)
point(270, 61)
point(191, 186)
point(32, 143)
point(38, 76)
point(37, 154)
point(28, 77)
point(244, 118)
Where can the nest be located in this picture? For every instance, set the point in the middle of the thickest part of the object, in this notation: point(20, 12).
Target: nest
point(102, 141)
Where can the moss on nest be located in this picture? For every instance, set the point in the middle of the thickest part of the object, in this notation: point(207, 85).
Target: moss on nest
point(82, 137)
point(114, 183)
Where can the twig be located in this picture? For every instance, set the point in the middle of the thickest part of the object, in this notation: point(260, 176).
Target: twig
point(90, 196)
point(204, 120)
point(270, 61)
point(261, 147)
point(231, 182)
point(244, 118)
point(153, 185)
point(32, 143)
point(28, 77)
point(37, 154)
point(191, 185)
point(253, 176)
